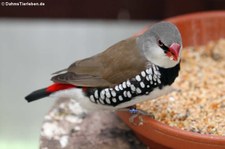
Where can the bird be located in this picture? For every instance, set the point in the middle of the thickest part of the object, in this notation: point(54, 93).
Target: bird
point(131, 71)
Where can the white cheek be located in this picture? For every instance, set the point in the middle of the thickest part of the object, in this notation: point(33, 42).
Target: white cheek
point(155, 55)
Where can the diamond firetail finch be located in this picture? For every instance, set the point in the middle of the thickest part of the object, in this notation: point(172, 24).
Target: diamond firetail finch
point(131, 71)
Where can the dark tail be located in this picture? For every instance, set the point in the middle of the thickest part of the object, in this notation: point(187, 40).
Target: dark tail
point(41, 93)
point(38, 94)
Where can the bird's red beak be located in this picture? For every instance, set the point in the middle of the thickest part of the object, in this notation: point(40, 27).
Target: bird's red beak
point(173, 51)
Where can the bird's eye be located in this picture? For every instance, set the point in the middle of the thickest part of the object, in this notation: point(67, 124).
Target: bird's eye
point(161, 45)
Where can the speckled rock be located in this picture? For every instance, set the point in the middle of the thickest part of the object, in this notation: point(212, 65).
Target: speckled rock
point(68, 126)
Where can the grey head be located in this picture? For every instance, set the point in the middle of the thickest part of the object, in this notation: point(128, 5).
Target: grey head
point(161, 44)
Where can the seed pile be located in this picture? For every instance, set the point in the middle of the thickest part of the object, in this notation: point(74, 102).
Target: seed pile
point(199, 103)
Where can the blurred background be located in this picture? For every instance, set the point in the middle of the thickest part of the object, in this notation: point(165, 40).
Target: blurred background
point(36, 41)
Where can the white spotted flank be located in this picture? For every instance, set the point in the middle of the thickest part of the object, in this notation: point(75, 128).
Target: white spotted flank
point(114, 100)
point(138, 78)
point(120, 98)
point(113, 93)
point(142, 85)
point(138, 90)
point(96, 94)
point(108, 100)
point(128, 94)
point(92, 98)
point(143, 74)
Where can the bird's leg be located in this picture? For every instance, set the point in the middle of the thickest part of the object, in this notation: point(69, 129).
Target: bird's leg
point(136, 113)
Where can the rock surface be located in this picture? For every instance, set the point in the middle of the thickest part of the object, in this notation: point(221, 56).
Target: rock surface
point(68, 126)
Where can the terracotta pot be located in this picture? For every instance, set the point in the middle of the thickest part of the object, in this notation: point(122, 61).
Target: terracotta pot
point(196, 29)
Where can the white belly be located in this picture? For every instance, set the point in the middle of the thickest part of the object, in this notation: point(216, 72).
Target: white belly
point(152, 95)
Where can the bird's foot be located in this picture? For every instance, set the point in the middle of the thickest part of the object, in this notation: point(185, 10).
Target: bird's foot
point(136, 114)
point(137, 122)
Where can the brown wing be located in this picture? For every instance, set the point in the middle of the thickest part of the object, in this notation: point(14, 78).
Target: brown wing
point(118, 63)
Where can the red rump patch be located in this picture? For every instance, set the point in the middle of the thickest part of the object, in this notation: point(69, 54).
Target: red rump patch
point(58, 86)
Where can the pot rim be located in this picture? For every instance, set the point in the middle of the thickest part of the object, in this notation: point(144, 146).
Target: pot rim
point(167, 130)
point(184, 134)
point(197, 15)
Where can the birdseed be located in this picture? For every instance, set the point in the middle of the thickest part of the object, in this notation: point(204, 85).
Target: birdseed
point(199, 104)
